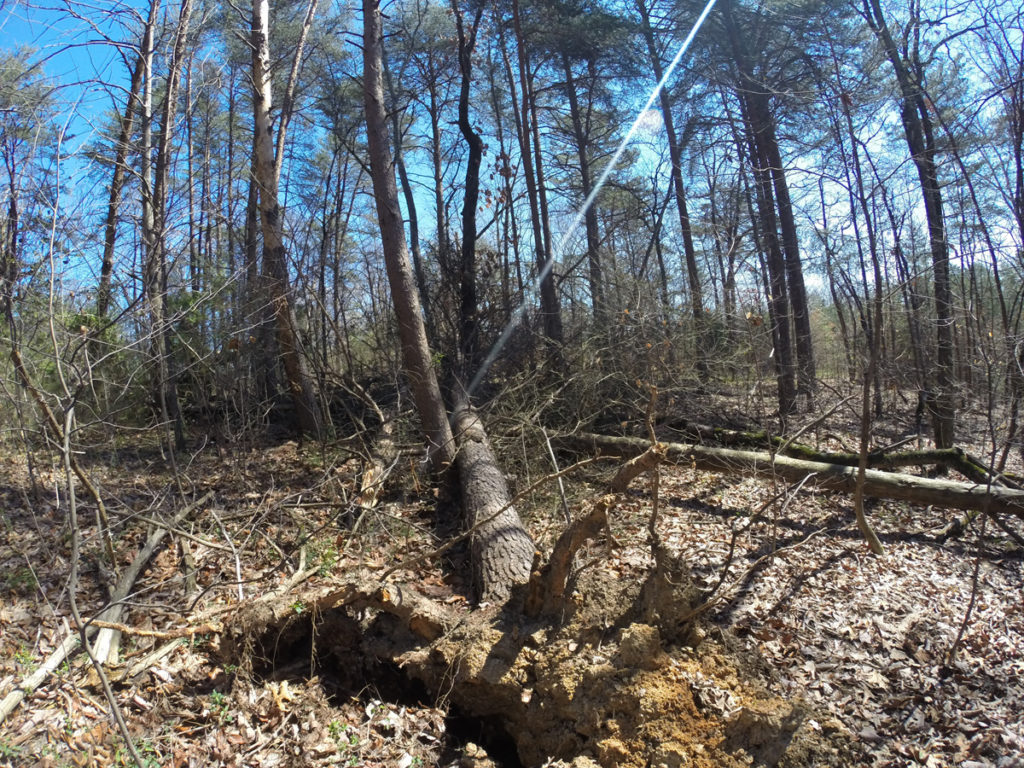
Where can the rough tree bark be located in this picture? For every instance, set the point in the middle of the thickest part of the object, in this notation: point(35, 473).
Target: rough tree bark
point(501, 549)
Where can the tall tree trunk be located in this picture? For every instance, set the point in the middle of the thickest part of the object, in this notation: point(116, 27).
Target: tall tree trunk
point(761, 123)
point(676, 157)
point(510, 227)
point(918, 131)
point(124, 137)
point(410, 201)
point(580, 134)
point(469, 341)
point(529, 142)
point(164, 376)
point(416, 356)
point(437, 164)
point(778, 294)
point(275, 266)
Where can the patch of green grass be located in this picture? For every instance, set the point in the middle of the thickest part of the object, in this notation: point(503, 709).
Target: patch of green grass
point(22, 580)
point(347, 739)
point(219, 706)
point(328, 559)
point(8, 750)
point(151, 757)
point(26, 658)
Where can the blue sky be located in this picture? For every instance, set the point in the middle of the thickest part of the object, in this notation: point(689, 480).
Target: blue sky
point(74, 53)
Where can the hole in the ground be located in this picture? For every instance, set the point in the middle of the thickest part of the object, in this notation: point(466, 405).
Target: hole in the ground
point(335, 654)
point(487, 732)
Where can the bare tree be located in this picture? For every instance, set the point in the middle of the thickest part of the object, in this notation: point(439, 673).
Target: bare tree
point(416, 356)
point(267, 173)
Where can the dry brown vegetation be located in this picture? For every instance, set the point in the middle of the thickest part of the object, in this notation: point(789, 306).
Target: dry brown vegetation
point(307, 602)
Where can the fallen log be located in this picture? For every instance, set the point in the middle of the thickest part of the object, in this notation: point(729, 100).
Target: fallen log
point(502, 551)
point(955, 459)
point(829, 476)
point(68, 646)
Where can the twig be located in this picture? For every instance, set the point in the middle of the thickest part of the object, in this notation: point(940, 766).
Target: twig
point(561, 485)
point(108, 638)
point(149, 659)
point(951, 656)
point(76, 540)
point(169, 634)
point(715, 599)
point(813, 423)
point(234, 552)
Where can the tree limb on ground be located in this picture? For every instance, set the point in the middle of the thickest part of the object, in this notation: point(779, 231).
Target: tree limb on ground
point(954, 459)
point(107, 641)
point(826, 475)
point(108, 629)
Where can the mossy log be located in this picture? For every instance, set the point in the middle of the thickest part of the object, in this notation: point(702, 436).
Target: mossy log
point(831, 475)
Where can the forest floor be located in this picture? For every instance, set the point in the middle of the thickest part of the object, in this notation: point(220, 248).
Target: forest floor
point(816, 652)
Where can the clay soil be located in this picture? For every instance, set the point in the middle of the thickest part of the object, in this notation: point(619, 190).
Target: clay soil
point(807, 651)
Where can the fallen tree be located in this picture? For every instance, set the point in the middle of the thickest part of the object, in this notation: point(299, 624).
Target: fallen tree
point(954, 459)
point(822, 474)
point(604, 674)
point(501, 549)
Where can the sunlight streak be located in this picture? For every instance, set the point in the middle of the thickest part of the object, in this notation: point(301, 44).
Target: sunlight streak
point(641, 121)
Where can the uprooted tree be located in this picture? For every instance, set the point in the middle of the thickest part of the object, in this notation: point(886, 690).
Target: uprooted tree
point(502, 548)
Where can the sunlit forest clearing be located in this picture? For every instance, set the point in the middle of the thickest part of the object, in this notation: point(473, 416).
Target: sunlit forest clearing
point(540, 383)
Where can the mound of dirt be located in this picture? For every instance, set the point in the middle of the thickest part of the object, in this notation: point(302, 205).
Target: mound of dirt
point(602, 688)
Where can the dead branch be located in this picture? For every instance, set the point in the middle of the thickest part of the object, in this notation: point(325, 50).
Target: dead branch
point(830, 476)
point(108, 639)
point(69, 645)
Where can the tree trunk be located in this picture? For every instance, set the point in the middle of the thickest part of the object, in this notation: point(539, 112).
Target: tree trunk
point(580, 134)
point(529, 140)
point(275, 265)
point(469, 341)
point(103, 291)
point(165, 388)
point(917, 129)
point(501, 549)
point(778, 297)
point(416, 356)
point(676, 157)
point(410, 203)
point(836, 477)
